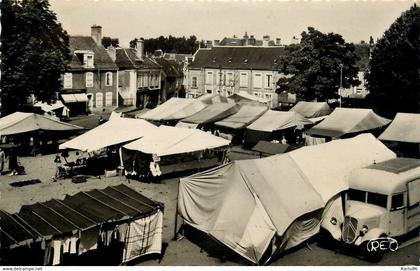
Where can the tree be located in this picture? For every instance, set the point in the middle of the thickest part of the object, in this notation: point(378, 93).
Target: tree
point(170, 44)
point(393, 79)
point(107, 41)
point(34, 53)
point(315, 66)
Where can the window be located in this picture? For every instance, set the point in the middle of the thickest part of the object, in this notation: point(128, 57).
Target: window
point(257, 82)
point(108, 98)
point(268, 81)
point(209, 78)
point(68, 80)
point(377, 199)
point(220, 79)
point(397, 202)
point(357, 195)
point(243, 80)
point(230, 81)
point(194, 82)
point(89, 61)
point(99, 99)
point(108, 79)
point(89, 79)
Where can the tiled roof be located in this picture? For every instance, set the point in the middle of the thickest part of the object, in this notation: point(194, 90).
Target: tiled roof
point(126, 58)
point(170, 67)
point(101, 58)
point(257, 58)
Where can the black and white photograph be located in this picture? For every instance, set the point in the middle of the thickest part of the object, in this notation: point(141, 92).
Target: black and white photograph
point(209, 133)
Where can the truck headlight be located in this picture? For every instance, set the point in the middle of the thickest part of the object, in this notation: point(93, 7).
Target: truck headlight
point(333, 221)
point(364, 230)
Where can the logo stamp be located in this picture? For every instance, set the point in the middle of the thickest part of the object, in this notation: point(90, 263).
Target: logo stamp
point(382, 244)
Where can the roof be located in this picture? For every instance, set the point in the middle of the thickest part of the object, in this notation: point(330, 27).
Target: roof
point(19, 122)
point(126, 58)
point(169, 140)
point(113, 132)
point(101, 58)
point(49, 107)
point(311, 109)
point(174, 109)
point(213, 113)
point(386, 177)
point(278, 120)
point(213, 98)
point(170, 67)
point(242, 96)
point(404, 128)
point(245, 116)
point(239, 201)
point(271, 148)
point(256, 58)
point(344, 121)
point(75, 213)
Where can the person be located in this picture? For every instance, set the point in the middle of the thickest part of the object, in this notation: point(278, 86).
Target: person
point(13, 162)
point(2, 159)
point(283, 140)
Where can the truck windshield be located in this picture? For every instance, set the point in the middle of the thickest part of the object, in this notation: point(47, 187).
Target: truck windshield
point(377, 199)
point(358, 195)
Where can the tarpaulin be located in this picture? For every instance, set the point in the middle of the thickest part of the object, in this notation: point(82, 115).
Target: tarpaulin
point(213, 113)
point(344, 121)
point(311, 109)
point(113, 132)
point(277, 120)
point(245, 116)
point(245, 203)
point(404, 128)
point(20, 122)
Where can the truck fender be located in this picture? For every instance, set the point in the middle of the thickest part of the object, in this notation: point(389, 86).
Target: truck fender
point(370, 235)
point(333, 230)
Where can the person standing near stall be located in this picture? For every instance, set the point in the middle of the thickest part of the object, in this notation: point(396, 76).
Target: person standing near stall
point(2, 160)
point(13, 162)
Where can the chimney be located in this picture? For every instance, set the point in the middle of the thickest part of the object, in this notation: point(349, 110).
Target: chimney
point(252, 41)
point(96, 34)
point(216, 42)
point(245, 39)
point(112, 52)
point(140, 48)
point(278, 41)
point(209, 44)
point(266, 40)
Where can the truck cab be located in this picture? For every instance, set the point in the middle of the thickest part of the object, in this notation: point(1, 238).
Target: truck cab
point(382, 202)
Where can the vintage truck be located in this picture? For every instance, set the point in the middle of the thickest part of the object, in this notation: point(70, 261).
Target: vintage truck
point(380, 209)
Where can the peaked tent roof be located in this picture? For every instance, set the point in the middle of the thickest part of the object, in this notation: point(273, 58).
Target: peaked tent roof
point(78, 212)
point(348, 120)
point(115, 131)
point(243, 96)
point(49, 107)
point(245, 116)
point(169, 140)
point(174, 109)
point(270, 148)
point(277, 120)
point(20, 122)
point(214, 98)
point(404, 128)
point(213, 113)
point(244, 204)
point(311, 109)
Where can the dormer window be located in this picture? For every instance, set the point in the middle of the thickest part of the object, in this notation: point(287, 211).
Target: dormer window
point(246, 61)
point(230, 59)
point(86, 57)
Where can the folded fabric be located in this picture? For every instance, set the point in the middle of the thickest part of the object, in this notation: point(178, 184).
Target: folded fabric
point(73, 243)
point(56, 245)
point(66, 245)
point(89, 240)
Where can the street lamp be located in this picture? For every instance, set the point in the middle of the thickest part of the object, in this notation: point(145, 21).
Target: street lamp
point(341, 84)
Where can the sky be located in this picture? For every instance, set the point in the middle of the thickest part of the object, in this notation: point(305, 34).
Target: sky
point(355, 20)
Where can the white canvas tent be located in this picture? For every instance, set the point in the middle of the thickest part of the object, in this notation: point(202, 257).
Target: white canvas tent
point(251, 205)
point(174, 109)
point(115, 131)
point(404, 128)
point(245, 116)
point(311, 109)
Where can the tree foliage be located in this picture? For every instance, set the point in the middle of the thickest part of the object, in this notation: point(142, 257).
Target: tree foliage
point(107, 41)
point(170, 44)
point(315, 66)
point(34, 51)
point(394, 73)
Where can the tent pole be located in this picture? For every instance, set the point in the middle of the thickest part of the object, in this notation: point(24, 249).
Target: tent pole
point(176, 213)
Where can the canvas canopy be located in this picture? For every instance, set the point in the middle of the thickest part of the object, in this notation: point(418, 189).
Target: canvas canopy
point(265, 147)
point(246, 203)
point(49, 107)
point(311, 109)
point(213, 113)
point(245, 116)
point(79, 212)
point(344, 121)
point(20, 122)
point(115, 131)
point(213, 99)
point(404, 128)
point(174, 109)
point(75, 98)
point(243, 96)
point(277, 120)
point(167, 140)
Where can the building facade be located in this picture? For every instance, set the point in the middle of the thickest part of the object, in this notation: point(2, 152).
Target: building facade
point(91, 78)
point(227, 70)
